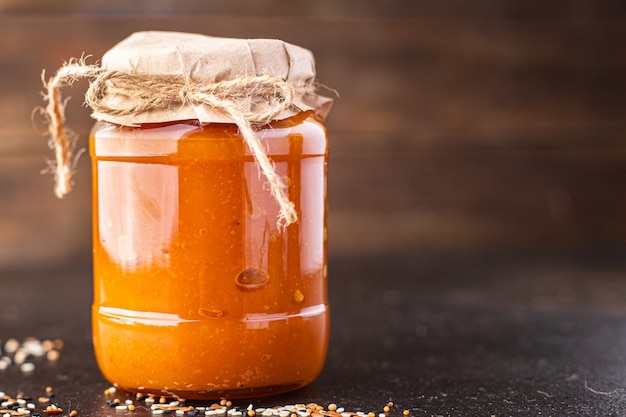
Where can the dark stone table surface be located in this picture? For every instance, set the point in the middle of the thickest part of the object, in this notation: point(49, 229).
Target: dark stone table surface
point(531, 333)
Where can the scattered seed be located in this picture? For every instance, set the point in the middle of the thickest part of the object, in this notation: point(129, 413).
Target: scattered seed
point(47, 345)
point(20, 357)
point(27, 367)
point(131, 407)
point(53, 355)
point(53, 409)
point(11, 345)
point(73, 413)
point(406, 412)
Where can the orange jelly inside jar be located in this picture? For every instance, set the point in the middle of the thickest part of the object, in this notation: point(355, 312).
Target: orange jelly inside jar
point(199, 293)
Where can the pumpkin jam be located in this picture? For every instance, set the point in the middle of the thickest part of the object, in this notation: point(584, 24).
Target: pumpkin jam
point(199, 293)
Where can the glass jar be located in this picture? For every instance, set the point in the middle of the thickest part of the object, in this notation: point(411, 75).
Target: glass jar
point(199, 293)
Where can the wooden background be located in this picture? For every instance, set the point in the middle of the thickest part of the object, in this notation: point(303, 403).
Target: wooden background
point(461, 125)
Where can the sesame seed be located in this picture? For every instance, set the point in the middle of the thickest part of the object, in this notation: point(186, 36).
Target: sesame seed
point(73, 413)
point(53, 355)
point(27, 367)
point(386, 409)
point(47, 345)
point(11, 345)
point(20, 357)
point(131, 407)
point(405, 412)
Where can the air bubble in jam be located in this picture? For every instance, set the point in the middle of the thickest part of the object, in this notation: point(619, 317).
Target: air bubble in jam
point(257, 213)
point(252, 279)
point(211, 313)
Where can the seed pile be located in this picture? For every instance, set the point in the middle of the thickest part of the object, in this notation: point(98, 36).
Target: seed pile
point(164, 406)
point(24, 354)
point(25, 406)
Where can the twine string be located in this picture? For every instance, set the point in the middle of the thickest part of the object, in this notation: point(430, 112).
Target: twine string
point(232, 98)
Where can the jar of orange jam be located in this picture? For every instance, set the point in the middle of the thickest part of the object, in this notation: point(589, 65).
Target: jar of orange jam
point(198, 291)
point(209, 161)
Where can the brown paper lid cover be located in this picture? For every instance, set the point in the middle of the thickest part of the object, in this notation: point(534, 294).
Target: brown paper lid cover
point(201, 59)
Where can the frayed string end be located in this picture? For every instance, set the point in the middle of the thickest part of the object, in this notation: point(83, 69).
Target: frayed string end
point(60, 137)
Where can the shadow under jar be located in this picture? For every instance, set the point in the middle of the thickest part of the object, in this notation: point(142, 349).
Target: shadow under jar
point(199, 293)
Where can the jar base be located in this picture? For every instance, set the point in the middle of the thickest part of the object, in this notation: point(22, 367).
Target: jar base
point(241, 393)
point(210, 359)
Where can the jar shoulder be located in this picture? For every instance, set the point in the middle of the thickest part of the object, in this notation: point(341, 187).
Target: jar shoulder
point(304, 130)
